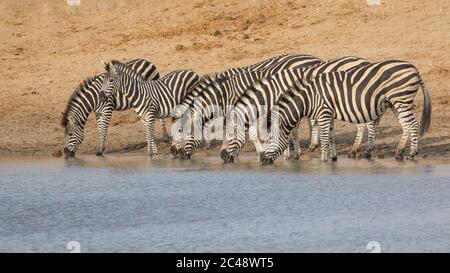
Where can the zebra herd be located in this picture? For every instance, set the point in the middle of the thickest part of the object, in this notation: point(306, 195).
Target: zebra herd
point(276, 94)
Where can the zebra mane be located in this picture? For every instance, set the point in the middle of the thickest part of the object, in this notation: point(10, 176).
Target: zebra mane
point(125, 69)
point(81, 89)
point(215, 77)
point(205, 81)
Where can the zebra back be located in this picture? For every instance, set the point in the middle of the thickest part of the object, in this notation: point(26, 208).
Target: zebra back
point(360, 95)
point(267, 92)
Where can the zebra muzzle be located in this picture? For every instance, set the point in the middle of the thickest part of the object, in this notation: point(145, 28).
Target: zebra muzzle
point(68, 153)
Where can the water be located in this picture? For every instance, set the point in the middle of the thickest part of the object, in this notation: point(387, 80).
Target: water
point(132, 203)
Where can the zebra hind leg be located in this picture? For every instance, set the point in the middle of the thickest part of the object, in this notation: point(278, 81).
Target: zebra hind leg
point(149, 123)
point(414, 134)
point(409, 127)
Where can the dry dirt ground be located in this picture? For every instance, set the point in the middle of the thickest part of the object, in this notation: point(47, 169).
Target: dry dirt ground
point(49, 47)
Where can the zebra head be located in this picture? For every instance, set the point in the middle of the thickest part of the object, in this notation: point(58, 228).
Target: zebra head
point(112, 82)
point(278, 142)
point(73, 135)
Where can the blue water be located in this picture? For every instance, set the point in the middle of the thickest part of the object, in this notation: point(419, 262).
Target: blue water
point(136, 204)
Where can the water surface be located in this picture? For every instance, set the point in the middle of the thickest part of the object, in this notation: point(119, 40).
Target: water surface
point(132, 203)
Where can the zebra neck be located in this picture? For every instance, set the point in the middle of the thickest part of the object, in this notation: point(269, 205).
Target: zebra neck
point(83, 104)
point(80, 115)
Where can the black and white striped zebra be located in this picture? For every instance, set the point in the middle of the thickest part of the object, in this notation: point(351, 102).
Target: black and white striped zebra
point(222, 93)
point(206, 83)
point(359, 95)
point(150, 99)
point(263, 95)
point(85, 99)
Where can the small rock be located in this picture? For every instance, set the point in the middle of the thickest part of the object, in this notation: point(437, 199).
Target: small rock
point(179, 47)
point(57, 153)
point(245, 36)
point(217, 33)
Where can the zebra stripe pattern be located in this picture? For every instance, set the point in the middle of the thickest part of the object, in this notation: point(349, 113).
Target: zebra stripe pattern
point(85, 99)
point(263, 95)
point(150, 99)
point(360, 95)
point(223, 93)
point(206, 83)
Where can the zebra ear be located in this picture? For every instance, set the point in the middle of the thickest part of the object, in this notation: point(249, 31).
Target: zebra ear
point(106, 65)
point(111, 68)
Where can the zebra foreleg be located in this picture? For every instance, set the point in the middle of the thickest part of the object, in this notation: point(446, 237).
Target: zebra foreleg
point(324, 126)
point(314, 135)
point(149, 124)
point(371, 127)
point(253, 135)
point(293, 138)
point(358, 139)
point(103, 120)
point(206, 135)
point(332, 143)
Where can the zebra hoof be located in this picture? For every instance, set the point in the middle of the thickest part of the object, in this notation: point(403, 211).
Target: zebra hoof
point(68, 153)
point(184, 154)
point(226, 157)
point(398, 157)
point(296, 157)
point(334, 158)
point(99, 153)
point(367, 155)
point(265, 160)
point(311, 149)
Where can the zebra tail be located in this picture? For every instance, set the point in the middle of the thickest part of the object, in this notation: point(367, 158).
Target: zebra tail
point(426, 112)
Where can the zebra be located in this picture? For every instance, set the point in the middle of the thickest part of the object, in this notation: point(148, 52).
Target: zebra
point(85, 99)
point(150, 99)
point(265, 93)
point(224, 92)
point(204, 84)
point(359, 95)
point(207, 84)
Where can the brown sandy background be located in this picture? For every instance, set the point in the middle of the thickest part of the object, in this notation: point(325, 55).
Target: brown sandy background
point(48, 47)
